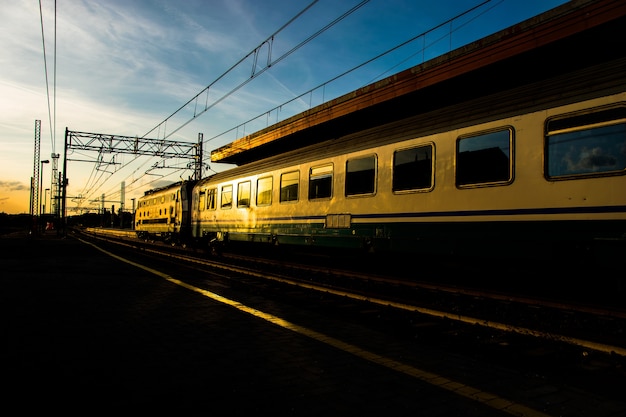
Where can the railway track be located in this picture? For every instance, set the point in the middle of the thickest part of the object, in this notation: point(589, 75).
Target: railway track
point(589, 327)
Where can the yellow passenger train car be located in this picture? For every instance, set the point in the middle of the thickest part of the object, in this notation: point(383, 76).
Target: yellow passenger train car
point(163, 213)
point(544, 181)
point(515, 144)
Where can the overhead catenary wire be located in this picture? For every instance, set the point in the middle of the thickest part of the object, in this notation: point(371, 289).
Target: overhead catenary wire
point(270, 38)
point(254, 53)
point(54, 83)
point(45, 63)
point(254, 74)
point(369, 61)
point(449, 21)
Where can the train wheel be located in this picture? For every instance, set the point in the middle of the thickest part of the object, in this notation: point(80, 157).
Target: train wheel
point(215, 247)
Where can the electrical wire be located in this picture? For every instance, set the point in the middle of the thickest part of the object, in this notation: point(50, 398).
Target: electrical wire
point(114, 192)
point(254, 72)
point(45, 63)
point(253, 52)
point(369, 61)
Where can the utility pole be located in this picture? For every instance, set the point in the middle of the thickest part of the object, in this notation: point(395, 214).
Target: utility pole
point(63, 224)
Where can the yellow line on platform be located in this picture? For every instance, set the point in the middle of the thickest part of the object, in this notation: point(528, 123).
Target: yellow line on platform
point(474, 394)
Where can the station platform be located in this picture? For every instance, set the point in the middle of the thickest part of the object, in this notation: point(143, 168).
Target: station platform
point(84, 333)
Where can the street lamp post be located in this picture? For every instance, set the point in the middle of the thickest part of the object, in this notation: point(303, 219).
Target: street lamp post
point(45, 161)
point(45, 201)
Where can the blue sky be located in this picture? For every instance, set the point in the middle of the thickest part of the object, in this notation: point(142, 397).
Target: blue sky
point(123, 67)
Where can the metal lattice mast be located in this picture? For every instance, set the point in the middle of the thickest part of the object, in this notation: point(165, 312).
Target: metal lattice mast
point(122, 196)
point(34, 201)
point(106, 143)
point(198, 159)
point(54, 186)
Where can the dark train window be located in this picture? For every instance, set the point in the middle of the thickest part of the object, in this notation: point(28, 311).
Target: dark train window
point(264, 191)
point(413, 169)
point(289, 186)
point(586, 144)
point(361, 176)
point(201, 198)
point(321, 182)
point(227, 196)
point(211, 199)
point(243, 194)
point(484, 158)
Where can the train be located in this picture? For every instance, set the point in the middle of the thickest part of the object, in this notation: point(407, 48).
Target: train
point(531, 167)
point(164, 213)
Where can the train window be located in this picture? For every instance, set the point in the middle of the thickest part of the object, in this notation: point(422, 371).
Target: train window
point(289, 182)
point(321, 182)
point(484, 158)
point(413, 168)
point(264, 191)
point(211, 199)
point(361, 176)
point(243, 194)
point(586, 144)
point(227, 196)
point(201, 199)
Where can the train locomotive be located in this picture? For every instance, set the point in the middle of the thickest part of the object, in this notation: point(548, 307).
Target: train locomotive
point(164, 213)
point(532, 165)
